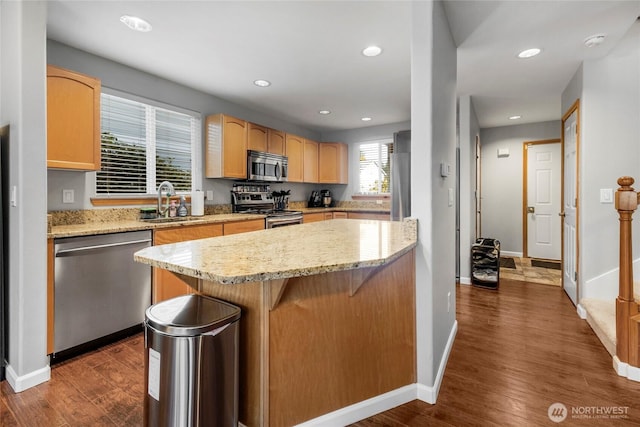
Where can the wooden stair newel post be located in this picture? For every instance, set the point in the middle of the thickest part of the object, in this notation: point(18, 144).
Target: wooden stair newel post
point(627, 328)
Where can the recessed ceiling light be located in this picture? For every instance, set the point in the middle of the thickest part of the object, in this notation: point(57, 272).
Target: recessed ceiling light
point(135, 23)
point(529, 53)
point(262, 83)
point(324, 112)
point(371, 51)
point(366, 119)
point(515, 117)
point(594, 40)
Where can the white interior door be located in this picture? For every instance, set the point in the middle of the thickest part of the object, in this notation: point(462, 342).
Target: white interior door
point(543, 200)
point(570, 206)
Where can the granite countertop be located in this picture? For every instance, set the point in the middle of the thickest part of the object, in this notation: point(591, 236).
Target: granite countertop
point(284, 252)
point(92, 228)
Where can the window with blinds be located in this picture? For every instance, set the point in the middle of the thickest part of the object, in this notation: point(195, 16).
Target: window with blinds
point(143, 145)
point(375, 167)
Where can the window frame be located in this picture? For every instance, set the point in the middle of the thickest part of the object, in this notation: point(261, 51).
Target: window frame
point(104, 199)
point(369, 195)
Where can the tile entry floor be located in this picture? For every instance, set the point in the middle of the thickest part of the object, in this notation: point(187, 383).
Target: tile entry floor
point(526, 273)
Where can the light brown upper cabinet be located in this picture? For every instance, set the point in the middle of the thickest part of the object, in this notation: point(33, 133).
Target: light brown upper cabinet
point(295, 154)
point(310, 168)
point(73, 120)
point(333, 163)
point(258, 137)
point(226, 153)
point(276, 142)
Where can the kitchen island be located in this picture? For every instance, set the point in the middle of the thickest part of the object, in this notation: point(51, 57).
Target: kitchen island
point(328, 311)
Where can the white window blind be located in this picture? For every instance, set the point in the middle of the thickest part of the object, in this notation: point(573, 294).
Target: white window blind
point(143, 145)
point(375, 167)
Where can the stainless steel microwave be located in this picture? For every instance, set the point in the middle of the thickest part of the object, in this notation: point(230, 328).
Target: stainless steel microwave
point(266, 167)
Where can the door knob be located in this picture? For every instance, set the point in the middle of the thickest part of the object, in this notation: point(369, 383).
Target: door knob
point(531, 209)
point(562, 214)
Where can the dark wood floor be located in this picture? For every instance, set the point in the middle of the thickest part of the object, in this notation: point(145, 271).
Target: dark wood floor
point(517, 351)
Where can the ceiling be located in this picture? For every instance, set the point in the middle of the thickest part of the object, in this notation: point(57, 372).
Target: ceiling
point(311, 52)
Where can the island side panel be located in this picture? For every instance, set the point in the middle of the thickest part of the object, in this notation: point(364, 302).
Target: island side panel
point(253, 377)
point(328, 350)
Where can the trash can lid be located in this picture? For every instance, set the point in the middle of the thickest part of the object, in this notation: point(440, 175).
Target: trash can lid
point(190, 315)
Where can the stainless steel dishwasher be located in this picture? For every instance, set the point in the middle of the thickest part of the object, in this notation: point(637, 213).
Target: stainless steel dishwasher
point(99, 289)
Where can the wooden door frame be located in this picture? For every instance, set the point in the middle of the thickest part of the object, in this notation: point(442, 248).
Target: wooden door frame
point(575, 107)
point(525, 194)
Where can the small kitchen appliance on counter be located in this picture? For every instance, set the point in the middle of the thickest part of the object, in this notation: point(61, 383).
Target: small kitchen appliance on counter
point(315, 200)
point(258, 199)
point(327, 199)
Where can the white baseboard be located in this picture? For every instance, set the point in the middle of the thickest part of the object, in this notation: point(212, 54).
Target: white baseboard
point(364, 409)
point(386, 401)
point(464, 280)
point(581, 312)
point(513, 254)
point(24, 382)
point(625, 370)
point(430, 394)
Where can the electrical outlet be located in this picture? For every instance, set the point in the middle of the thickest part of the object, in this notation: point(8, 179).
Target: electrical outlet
point(68, 196)
point(378, 202)
point(210, 195)
point(448, 302)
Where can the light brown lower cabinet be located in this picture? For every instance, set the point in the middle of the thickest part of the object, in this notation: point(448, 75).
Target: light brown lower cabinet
point(364, 215)
point(313, 217)
point(243, 226)
point(167, 285)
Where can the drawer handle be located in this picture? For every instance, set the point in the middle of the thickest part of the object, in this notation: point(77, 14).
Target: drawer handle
point(71, 252)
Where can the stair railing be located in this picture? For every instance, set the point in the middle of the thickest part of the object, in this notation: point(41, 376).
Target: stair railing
point(627, 310)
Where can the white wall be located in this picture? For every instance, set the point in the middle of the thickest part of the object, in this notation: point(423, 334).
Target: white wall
point(23, 99)
point(502, 180)
point(609, 148)
point(433, 140)
point(468, 130)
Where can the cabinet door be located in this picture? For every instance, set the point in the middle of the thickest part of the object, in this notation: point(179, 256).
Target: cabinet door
point(165, 284)
point(73, 120)
point(328, 170)
point(369, 215)
point(243, 226)
point(295, 153)
point(226, 147)
point(313, 217)
point(343, 163)
point(258, 138)
point(276, 142)
point(234, 148)
point(310, 154)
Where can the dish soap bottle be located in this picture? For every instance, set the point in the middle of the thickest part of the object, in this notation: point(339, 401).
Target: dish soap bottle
point(173, 209)
point(182, 209)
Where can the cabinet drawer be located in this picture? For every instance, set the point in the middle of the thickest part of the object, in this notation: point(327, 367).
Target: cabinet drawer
point(243, 226)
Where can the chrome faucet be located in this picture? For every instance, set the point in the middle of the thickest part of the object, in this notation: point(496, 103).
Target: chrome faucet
point(170, 191)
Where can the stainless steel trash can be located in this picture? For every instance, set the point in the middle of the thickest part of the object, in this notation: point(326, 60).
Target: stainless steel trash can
point(191, 363)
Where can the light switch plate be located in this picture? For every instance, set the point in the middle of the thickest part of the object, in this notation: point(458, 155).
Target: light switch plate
point(606, 195)
point(450, 197)
point(68, 196)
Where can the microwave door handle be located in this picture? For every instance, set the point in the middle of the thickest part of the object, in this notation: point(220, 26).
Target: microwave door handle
point(278, 174)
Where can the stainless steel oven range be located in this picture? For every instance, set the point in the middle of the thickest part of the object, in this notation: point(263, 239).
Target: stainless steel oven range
point(257, 198)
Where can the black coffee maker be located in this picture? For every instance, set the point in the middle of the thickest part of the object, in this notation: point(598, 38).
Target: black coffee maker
point(315, 201)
